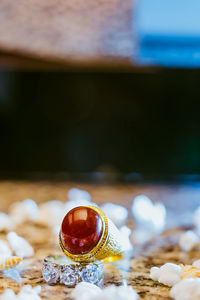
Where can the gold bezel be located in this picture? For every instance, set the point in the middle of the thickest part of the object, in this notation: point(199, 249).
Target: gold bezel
point(90, 256)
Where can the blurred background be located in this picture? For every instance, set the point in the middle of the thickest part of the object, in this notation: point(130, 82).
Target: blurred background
point(142, 125)
point(110, 94)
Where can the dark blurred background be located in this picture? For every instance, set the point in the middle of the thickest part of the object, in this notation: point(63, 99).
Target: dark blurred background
point(145, 123)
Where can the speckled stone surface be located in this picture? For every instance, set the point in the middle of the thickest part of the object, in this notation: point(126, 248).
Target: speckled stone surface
point(180, 200)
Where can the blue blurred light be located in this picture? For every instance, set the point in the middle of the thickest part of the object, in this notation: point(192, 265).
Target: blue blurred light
point(168, 32)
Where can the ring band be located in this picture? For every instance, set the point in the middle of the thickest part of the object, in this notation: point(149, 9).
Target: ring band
point(58, 269)
point(108, 248)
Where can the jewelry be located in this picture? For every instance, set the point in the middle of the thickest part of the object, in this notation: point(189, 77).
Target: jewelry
point(87, 235)
point(59, 269)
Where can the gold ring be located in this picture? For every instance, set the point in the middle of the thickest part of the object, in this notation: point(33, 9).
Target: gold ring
point(87, 235)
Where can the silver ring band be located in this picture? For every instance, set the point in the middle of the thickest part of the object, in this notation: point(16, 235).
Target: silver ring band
point(59, 269)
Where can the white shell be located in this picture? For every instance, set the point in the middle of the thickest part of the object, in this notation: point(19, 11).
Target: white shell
point(76, 198)
point(87, 291)
point(6, 222)
point(188, 240)
point(119, 293)
point(19, 245)
point(24, 211)
point(76, 194)
point(29, 293)
point(154, 273)
point(125, 238)
point(187, 289)
point(26, 293)
point(8, 294)
point(51, 213)
point(117, 213)
point(5, 248)
point(74, 203)
point(168, 274)
point(148, 214)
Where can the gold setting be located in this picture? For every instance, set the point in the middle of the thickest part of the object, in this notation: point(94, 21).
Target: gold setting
point(108, 248)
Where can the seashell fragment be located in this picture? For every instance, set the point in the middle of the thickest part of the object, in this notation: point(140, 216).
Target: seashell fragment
point(85, 290)
point(4, 248)
point(75, 203)
point(149, 214)
point(189, 240)
point(29, 293)
point(125, 233)
point(9, 262)
point(26, 293)
point(150, 219)
point(168, 274)
point(19, 245)
point(24, 211)
point(8, 295)
point(117, 213)
point(6, 222)
point(78, 195)
point(88, 291)
point(51, 213)
point(187, 289)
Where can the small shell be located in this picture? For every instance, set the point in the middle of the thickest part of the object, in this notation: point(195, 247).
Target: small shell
point(117, 213)
point(19, 245)
point(6, 222)
point(23, 211)
point(5, 249)
point(9, 262)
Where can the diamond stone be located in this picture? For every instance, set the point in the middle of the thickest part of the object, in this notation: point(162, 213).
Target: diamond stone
point(69, 276)
point(100, 268)
point(50, 273)
point(90, 273)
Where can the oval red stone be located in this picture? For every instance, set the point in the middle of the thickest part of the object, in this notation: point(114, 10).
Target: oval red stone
point(81, 230)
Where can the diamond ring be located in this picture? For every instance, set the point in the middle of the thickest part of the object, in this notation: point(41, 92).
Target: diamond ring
point(58, 269)
point(87, 235)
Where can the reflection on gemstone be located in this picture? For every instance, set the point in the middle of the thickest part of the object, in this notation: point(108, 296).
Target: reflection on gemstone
point(81, 230)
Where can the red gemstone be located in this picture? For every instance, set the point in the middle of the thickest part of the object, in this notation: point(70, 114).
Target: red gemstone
point(81, 230)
